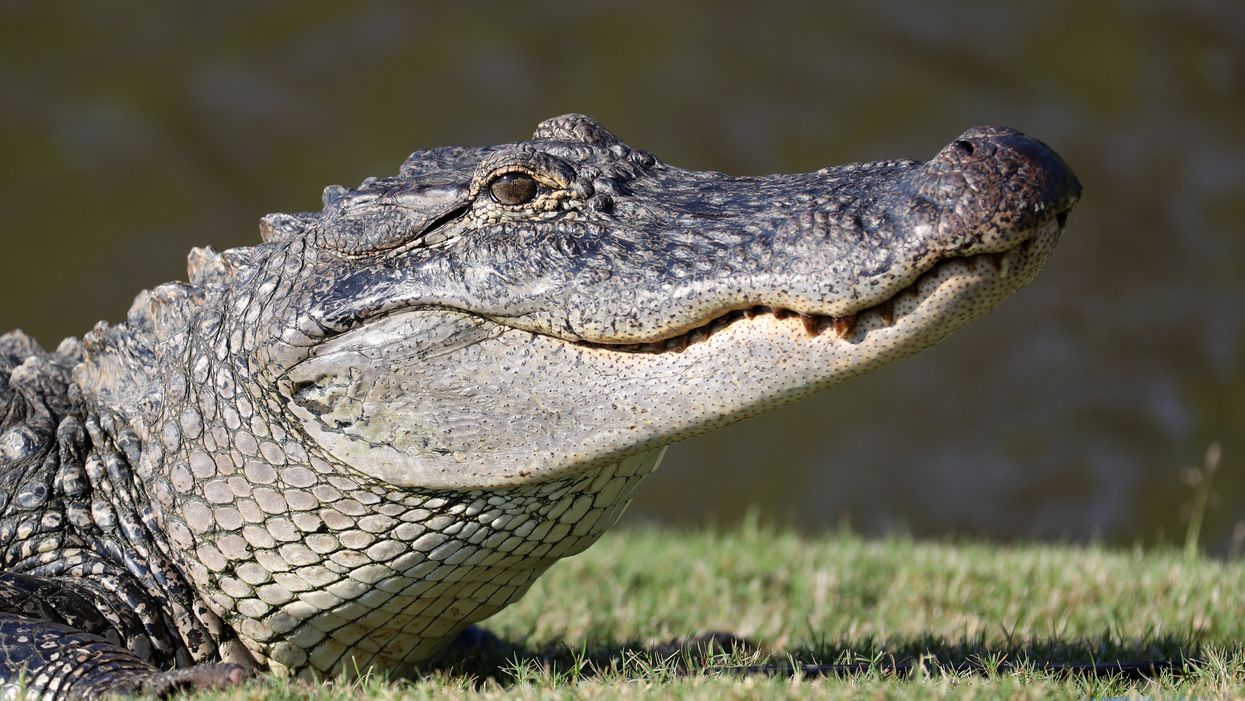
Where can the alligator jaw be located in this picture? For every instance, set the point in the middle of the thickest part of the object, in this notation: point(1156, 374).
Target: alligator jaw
point(1013, 268)
point(613, 317)
point(515, 407)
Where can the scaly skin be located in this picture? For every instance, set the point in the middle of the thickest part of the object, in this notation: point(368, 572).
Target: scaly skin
point(337, 449)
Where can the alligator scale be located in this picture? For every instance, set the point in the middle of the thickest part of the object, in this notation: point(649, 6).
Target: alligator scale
point(339, 448)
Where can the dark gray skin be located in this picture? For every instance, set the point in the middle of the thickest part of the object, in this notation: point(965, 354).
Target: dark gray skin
point(341, 447)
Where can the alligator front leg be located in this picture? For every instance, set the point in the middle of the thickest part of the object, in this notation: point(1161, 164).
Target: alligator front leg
point(64, 638)
point(54, 661)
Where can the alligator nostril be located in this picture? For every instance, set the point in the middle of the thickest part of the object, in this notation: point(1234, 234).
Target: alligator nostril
point(965, 146)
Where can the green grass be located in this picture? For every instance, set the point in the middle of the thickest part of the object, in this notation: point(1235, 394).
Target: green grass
point(902, 619)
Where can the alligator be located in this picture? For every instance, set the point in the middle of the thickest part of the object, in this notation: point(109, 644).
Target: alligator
point(339, 448)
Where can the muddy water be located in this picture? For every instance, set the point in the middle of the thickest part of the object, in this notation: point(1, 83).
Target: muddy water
point(129, 137)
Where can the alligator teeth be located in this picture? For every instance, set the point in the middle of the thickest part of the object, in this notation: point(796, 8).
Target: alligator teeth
point(1001, 263)
point(886, 312)
point(811, 324)
point(816, 324)
point(843, 325)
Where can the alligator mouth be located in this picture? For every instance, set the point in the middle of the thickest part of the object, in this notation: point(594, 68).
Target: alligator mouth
point(1000, 263)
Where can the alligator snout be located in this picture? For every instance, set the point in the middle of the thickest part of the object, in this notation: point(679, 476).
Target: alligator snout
point(1029, 167)
point(994, 184)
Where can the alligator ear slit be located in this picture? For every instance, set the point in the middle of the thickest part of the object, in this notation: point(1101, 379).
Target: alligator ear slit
point(442, 220)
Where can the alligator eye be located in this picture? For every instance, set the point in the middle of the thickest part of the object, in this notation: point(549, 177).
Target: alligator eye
point(513, 188)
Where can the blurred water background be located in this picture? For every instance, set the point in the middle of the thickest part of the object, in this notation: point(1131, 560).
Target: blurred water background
point(132, 132)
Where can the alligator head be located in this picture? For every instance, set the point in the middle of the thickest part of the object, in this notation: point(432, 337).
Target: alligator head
point(494, 316)
point(382, 423)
